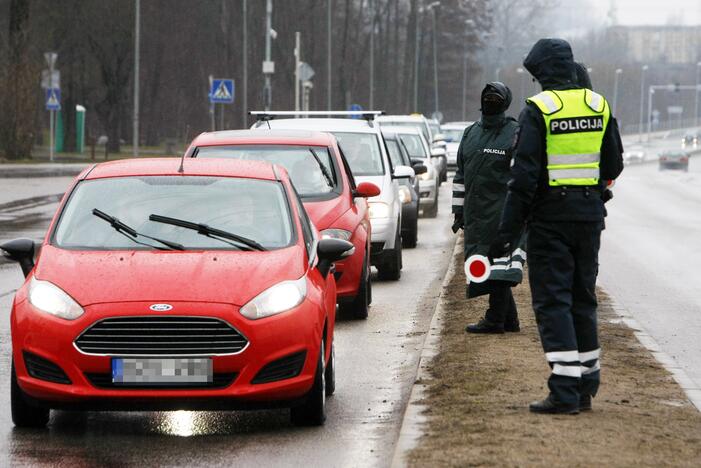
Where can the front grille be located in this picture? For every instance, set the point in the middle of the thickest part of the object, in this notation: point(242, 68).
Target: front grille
point(104, 380)
point(43, 369)
point(161, 336)
point(284, 368)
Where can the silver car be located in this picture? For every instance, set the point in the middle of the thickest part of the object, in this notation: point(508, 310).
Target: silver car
point(363, 147)
point(418, 148)
point(453, 133)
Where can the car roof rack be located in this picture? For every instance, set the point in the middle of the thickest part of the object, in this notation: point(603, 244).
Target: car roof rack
point(265, 116)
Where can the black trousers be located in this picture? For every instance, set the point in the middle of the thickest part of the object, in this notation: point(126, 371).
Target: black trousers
point(502, 308)
point(563, 262)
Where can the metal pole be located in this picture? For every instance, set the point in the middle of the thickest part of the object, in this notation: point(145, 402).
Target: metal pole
point(245, 67)
point(51, 135)
point(328, 54)
point(435, 60)
point(372, 55)
point(297, 60)
point(497, 72)
point(137, 52)
point(649, 114)
point(642, 103)
point(268, 33)
point(416, 62)
point(464, 85)
point(213, 125)
point(221, 116)
point(696, 105)
point(615, 90)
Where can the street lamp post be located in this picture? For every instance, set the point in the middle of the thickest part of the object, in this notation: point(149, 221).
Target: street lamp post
point(615, 90)
point(416, 61)
point(698, 89)
point(469, 25)
point(642, 101)
point(244, 53)
point(137, 46)
point(328, 54)
point(432, 7)
point(496, 74)
point(372, 54)
point(268, 68)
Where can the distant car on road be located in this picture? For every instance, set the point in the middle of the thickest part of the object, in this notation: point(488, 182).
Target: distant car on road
point(633, 155)
point(690, 141)
point(324, 182)
point(453, 132)
point(163, 285)
point(674, 160)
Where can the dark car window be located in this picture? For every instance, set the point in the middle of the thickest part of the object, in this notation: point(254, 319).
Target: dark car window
point(305, 172)
point(395, 153)
point(414, 146)
point(256, 209)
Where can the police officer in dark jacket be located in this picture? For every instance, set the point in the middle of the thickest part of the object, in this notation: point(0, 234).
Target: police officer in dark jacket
point(568, 147)
point(479, 191)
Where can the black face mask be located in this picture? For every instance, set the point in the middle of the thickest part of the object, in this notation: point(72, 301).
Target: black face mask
point(492, 107)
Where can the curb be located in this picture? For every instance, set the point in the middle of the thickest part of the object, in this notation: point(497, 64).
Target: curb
point(691, 388)
point(41, 170)
point(411, 427)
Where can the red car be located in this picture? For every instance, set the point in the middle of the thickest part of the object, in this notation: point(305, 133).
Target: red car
point(325, 183)
point(176, 284)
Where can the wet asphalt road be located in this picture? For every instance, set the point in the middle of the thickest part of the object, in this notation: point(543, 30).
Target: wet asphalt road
point(651, 254)
point(376, 362)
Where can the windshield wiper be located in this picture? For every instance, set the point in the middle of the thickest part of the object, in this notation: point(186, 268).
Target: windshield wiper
point(130, 233)
point(324, 171)
point(208, 231)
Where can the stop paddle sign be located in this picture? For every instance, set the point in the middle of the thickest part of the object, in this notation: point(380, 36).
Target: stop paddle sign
point(477, 268)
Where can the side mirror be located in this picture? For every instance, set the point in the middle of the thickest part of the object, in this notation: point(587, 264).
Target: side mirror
point(366, 190)
point(330, 251)
point(22, 252)
point(439, 137)
point(438, 152)
point(415, 161)
point(403, 172)
point(419, 169)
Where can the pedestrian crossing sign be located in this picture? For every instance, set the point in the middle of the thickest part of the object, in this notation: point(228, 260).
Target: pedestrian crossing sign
point(222, 91)
point(53, 99)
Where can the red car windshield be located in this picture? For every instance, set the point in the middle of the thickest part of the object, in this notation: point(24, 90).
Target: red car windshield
point(255, 209)
point(310, 168)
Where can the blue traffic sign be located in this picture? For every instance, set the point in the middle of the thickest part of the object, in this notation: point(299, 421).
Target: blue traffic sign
point(356, 108)
point(53, 99)
point(222, 91)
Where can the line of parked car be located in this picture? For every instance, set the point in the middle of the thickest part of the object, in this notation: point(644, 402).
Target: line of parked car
point(212, 281)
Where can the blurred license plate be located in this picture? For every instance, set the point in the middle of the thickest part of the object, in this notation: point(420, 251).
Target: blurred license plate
point(161, 371)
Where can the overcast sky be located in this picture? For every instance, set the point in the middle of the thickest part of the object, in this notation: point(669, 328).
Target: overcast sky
point(651, 11)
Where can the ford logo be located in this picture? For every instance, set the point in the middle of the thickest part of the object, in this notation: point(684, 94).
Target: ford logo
point(161, 307)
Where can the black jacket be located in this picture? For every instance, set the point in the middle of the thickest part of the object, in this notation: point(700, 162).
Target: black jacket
point(529, 196)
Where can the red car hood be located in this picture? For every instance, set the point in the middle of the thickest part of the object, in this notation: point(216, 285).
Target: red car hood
point(232, 277)
point(323, 213)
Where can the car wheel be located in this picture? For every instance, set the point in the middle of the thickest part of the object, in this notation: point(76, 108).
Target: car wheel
point(24, 414)
point(391, 268)
point(411, 238)
point(360, 305)
point(313, 411)
point(432, 212)
point(331, 371)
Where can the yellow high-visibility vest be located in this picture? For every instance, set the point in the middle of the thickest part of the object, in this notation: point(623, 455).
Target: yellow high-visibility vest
point(575, 122)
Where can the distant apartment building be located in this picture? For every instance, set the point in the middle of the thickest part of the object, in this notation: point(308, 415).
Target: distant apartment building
point(659, 44)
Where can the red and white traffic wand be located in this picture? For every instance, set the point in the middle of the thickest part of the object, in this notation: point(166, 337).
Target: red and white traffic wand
point(477, 268)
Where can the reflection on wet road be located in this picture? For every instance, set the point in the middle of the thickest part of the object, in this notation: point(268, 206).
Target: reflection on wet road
point(376, 361)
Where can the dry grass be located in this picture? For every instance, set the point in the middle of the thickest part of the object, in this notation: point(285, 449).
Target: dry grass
point(477, 400)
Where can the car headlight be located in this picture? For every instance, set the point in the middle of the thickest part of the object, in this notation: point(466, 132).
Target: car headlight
point(51, 299)
point(336, 234)
point(379, 210)
point(276, 299)
point(404, 194)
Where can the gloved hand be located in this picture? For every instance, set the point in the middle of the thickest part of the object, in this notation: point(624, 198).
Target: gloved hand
point(458, 223)
point(500, 247)
point(607, 195)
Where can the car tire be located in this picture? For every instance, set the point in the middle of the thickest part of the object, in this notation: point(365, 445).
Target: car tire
point(410, 240)
point(391, 268)
point(360, 305)
point(432, 212)
point(24, 414)
point(313, 411)
point(330, 371)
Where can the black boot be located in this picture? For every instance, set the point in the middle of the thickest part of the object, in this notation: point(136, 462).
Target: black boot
point(585, 403)
point(550, 406)
point(512, 326)
point(485, 326)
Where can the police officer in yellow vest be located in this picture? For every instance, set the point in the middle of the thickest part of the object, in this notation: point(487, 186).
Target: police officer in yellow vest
point(567, 147)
